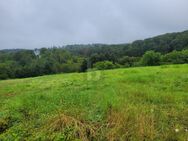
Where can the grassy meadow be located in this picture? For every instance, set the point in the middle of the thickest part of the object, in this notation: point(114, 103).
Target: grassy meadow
point(133, 104)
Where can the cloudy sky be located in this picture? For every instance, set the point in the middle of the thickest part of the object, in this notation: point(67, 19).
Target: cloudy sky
point(44, 23)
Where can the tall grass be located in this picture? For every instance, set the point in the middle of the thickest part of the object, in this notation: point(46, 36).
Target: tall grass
point(146, 103)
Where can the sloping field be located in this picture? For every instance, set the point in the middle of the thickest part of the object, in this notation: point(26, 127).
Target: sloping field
point(148, 103)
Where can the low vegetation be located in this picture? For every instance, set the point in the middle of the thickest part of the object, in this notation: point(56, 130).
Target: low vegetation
point(143, 103)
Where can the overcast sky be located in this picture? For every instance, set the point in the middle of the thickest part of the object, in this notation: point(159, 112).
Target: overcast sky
point(44, 23)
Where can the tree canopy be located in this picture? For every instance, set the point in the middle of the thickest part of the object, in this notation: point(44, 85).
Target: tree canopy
point(164, 49)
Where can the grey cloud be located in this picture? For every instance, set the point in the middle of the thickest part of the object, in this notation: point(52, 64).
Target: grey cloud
point(39, 23)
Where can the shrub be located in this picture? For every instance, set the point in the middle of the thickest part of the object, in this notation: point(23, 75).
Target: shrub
point(151, 58)
point(176, 57)
point(127, 61)
point(4, 71)
point(105, 65)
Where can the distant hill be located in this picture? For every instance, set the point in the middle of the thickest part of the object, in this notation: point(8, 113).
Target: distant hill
point(171, 48)
point(162, 43)
point(12, 50)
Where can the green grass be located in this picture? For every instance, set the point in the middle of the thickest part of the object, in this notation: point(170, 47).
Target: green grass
point(146, 103)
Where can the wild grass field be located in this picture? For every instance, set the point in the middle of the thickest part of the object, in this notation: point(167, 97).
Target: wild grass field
point(134, 104)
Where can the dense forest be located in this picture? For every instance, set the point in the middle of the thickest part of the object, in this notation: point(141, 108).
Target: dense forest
point(171, 48)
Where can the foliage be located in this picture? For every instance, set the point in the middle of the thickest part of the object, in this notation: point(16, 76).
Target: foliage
point(127, 61)
point(151, 58)
point(21, 63)
point(24, 63)
point(104, 65)
point(176, 57)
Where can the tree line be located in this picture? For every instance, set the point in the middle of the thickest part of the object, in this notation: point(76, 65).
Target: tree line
point(165, 49)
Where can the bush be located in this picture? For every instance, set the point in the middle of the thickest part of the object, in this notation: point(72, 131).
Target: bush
point(151, 58)
point(176, 57)
point(70, 67)
point(105, 65)
point(127, 61)
point(4, 71)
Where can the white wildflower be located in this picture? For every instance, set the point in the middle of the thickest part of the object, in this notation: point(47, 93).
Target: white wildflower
point(177, 130)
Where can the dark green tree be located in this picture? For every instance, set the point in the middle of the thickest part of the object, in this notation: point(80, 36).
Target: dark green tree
point(151, 58)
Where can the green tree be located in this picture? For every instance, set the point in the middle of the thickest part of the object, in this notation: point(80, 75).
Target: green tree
point(127, 61)
point(176, 57)
point(151, 58)
point(4, 71)
point(84, 65)
point(105, 65)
